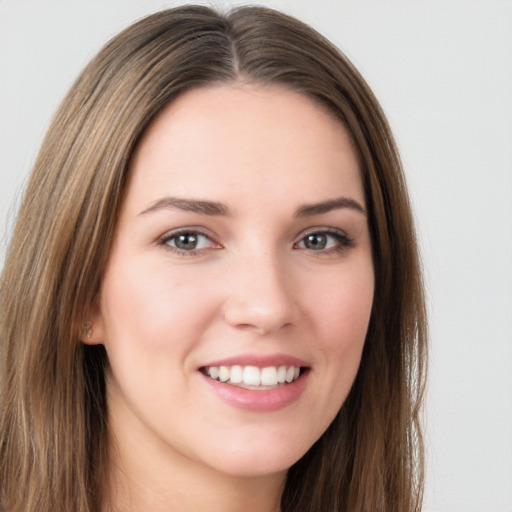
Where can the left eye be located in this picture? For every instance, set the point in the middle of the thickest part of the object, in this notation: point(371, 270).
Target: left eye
point(324, 241)
point(188, 241)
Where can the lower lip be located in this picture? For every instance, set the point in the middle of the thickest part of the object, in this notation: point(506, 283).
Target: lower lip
point(267, 400)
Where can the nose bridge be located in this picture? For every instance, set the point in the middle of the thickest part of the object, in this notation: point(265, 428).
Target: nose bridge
point(259, 294)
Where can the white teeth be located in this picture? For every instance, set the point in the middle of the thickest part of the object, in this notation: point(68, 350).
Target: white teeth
point(281, 375)
point(236, 375)
point(269, 376)
point(254, 376)
point(223, 373)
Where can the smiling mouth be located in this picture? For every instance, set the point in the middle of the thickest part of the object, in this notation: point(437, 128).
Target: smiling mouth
point(252, 377)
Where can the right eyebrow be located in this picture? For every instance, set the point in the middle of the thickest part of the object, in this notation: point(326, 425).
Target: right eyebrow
point(187, 205)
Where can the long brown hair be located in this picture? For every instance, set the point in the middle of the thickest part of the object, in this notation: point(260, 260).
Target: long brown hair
point(53, 421)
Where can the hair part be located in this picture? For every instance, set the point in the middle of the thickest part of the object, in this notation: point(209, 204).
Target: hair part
point(53, 424)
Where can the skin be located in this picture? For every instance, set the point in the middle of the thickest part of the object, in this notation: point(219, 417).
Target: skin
point(252, 286)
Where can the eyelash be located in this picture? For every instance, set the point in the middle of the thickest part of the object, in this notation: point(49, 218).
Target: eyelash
point(166, 239)
point(343, 241)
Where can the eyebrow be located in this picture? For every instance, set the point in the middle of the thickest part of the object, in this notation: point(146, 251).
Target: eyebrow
point(188, 205)
point(215, 208)
point(309, 210)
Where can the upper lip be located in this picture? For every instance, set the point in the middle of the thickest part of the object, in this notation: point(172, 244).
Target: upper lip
point(259, 360)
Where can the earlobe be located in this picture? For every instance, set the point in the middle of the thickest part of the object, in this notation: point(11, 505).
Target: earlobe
point(90, 335)
point(91, 329)
point(87, 329)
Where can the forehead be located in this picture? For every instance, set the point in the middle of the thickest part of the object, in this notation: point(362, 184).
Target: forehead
point(264, 140)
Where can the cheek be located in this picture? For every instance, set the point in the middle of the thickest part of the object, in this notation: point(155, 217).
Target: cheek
point(342, 309)
point(340, 313)
point(154, 308)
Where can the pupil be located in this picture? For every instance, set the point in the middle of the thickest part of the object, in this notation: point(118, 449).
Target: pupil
point(316, 241)
point(186, 241)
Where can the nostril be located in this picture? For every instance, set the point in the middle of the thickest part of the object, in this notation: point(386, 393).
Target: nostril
point(259, 317)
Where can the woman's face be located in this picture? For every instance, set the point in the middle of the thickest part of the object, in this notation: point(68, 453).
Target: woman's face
point(237, 295)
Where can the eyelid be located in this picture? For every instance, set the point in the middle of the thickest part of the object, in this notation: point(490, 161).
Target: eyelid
point(344, 239)
point(329, 230)
point(173, 233)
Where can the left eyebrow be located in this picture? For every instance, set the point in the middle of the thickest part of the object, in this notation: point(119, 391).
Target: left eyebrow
point(309, 210)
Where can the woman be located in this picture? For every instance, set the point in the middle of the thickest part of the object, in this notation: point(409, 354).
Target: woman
point(212, 297)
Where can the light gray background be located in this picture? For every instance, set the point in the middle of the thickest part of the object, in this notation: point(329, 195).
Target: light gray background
point(443, 73)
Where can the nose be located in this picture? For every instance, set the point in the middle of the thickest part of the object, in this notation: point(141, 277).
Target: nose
point(260, 296)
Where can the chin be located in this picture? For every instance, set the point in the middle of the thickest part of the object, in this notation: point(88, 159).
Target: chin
point(258, 460)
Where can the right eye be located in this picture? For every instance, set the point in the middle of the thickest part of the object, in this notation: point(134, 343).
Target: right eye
point(188, 242)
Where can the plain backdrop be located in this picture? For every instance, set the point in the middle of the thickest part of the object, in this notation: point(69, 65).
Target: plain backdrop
point(443, 73)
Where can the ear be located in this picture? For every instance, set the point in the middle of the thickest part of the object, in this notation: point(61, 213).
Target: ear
point(92, 331)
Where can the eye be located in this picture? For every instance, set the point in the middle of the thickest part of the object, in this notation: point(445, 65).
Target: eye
point(188, 242)
point(325, 241)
